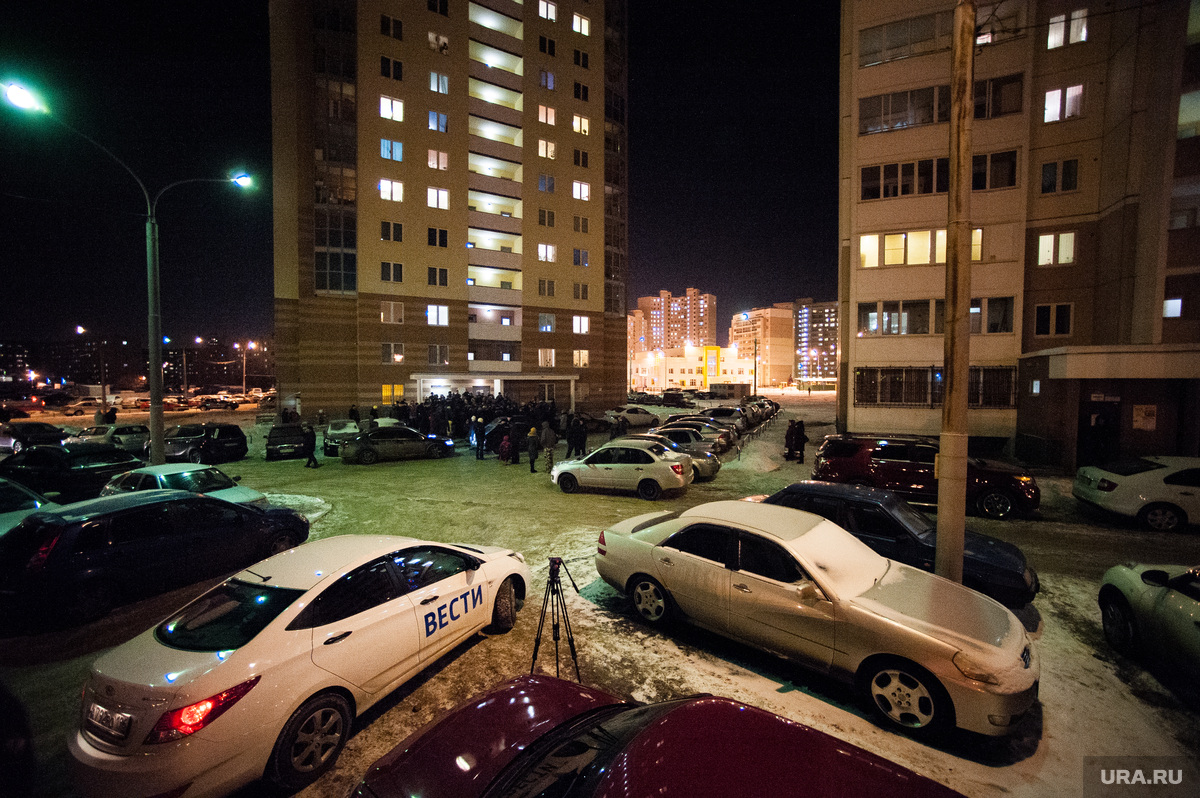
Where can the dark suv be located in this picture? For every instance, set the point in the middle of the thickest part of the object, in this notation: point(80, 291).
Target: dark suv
point(905, 464)
point(898, 531)
point(204, 443)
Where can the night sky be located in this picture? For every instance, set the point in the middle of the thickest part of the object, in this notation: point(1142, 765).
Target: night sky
point(733, 155)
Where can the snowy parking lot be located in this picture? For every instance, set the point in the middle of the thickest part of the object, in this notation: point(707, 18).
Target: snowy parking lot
point(1092, 702)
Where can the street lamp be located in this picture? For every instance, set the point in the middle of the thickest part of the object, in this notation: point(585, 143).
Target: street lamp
point(24, 99)
point(245, 349)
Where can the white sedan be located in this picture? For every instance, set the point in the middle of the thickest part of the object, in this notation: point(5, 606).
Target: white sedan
point(1163, 493)
point(926, 653)
point(634, 416)
point(627, 464)
point(263, 675)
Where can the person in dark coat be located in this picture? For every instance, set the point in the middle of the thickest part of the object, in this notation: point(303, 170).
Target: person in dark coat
point(480, 430)
point(353, 414)
point(310, 447)
point(789, 441)
point(801, 439)
point(576, 438)
point(548, 440)
point(532, 444)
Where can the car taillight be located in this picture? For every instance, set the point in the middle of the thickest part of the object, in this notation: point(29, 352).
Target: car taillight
point(179, 723)
point(677, 468)
point(38, 560)
point(600, 544)
point(1106, 485)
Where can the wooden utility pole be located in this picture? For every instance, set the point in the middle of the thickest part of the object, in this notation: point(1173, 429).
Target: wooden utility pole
point(952, 459)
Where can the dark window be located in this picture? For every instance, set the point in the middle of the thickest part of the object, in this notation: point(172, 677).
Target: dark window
point(421, 567)
point(1189, 477)
point(437, 237)
point(581, 91)
point(704, 540)
point(581, 158)
point(391, 27)
point(364, 587)
point(581, 59)
point(766, 559)
point(440, 7)
point(546, 45)
point(437, 276)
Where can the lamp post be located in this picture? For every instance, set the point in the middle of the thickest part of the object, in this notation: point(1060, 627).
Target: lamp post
point(22, 98)
point(198, 340)
point(245, 349)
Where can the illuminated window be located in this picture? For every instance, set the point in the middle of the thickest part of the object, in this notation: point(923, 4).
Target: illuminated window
point(910, 248)
point(581, 24)
point(546, 80)
point(545, 322)
point(581, 324)
point(546, 149)
point(547, 10)
point(580, 124)
point(437, 198)
point(1056, 249)
point(392, 190)
point(1173, 308)
point(391, 312)
point(391, 108)
point(868, 251)
point(1059, 33)
point(1063, 103)
point(391, 150)
point(893, 249)
point(546, 358)
point(579, 359)
point(439, 83)
point(439, 44)
point(581, 190)
point(437, 121)
point(546, 114)
point(437, 315)
point(393, 353)
point(547, 252)
point(438, 160)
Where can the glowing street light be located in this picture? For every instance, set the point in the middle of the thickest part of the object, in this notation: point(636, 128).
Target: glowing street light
point(245, 349)
point(20, 97)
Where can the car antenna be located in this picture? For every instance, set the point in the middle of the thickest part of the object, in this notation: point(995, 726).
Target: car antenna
point(260, 576)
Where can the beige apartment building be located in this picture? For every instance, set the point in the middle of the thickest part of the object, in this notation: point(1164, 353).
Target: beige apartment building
point(768, 337)
point(669, 322)
point(816, 341)
point(444, 176)
point(1085, 278)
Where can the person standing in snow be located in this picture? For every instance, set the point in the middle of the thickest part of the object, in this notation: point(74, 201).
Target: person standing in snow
point(548, 440)
point(532, 444)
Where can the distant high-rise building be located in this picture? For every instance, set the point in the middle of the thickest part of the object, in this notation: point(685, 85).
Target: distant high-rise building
point(674, 321)
point(768, 336)
point(449, 200)
point(816, 340)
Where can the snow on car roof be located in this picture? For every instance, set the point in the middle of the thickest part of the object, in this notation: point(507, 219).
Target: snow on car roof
point(307, 564)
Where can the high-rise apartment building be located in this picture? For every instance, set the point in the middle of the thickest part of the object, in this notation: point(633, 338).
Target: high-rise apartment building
point(669, 322)
point(816, 340)
point(768, 337)
point(1084, 314)
point(449, 199)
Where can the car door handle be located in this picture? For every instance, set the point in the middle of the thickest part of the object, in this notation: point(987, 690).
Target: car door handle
point(336, 639)
point(666, 561)
point(429, 600)
point(743, 588)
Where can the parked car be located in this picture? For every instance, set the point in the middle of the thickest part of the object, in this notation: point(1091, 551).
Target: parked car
point(513, 426)
point(1162, 493)
point(130, 437)
point(18, 435)
point(634, 416)
point(926, 654)
point(691, 439)
point(594, 423)
point(338, 431)
point(676, 399)
point(738, 416)
point(727, 424)
point(264, 675)
point(18, 501)
point(285, 441)
point(70, 472)
point(1150, 611)
point(218, 403)
point(705, 464)
point(394, 443)
point(84, 559)
point(191, 477)
point(537, 735)
point(205, 443)
point(721, 437)
point(647, 467)
point(905, 464)
point(88, 404)
point(894, 528)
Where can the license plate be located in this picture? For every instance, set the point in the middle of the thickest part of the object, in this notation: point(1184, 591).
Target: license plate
point(113, 724)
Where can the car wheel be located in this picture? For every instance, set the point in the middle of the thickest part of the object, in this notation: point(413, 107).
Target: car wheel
point(195, 456)
point(568, 483)
point(310, 742)
point(437, 450)
point(368, 457)
point(504, 613)
point(17, 446)
point(649, 490)
point(995, 504)
point(1117, 619)
point(1162, 517)
point(905, 694)
point(696, 474)
point(650, 600)
point(279, 541)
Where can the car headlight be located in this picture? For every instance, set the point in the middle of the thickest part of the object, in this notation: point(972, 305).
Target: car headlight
point(973, 670)
point(1024, 480)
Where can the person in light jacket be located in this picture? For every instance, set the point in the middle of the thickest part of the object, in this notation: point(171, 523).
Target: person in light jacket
point(548, 439)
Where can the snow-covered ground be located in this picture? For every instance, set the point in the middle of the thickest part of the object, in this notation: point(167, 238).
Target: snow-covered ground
point(1092, 703)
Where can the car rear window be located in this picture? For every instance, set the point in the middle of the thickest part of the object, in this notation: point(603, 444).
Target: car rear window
point(199, 481)
point(186, 431)
point(839, 449)
point(1128, 468)
point(226, 617)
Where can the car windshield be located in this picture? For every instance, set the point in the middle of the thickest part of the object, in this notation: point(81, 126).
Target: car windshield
point(199, 481)
point(13, 498)
point(186, 431)
point(1128, 468)
point(226, 617)
point(915, 520)
point(574, 758)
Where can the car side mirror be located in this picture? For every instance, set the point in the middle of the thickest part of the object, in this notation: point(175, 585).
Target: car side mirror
point(1155, 578)
point(236, 479)
point(807, 592)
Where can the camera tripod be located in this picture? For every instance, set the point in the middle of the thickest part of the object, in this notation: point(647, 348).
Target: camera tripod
point(558, 606)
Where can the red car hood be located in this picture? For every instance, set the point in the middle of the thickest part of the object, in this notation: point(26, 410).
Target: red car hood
point(460, 753)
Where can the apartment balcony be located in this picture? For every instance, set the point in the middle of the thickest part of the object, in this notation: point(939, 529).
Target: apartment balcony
point(491, 295)
point(501, 77)
point(477, 256)
point(494, 221)
point(494, 185)
point(509, 117)
point(483, 331)
point(508, 366)
point(508, 7)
